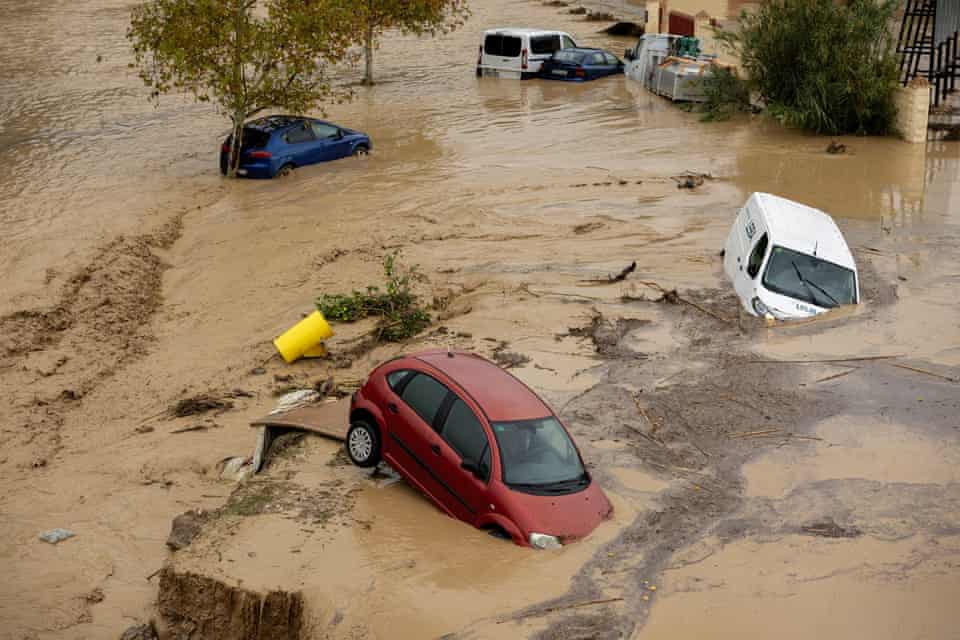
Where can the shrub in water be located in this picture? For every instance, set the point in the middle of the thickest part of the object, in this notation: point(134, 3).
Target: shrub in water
point(822, 65)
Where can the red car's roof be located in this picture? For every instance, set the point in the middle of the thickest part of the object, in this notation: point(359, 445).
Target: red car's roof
point(501, 396)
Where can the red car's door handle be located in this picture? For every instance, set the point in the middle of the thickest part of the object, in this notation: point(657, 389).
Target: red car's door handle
point(435, 448)
point(392, 407)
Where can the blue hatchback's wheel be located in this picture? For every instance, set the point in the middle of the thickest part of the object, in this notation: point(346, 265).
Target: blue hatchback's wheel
point(285, 170)
point(361, 151)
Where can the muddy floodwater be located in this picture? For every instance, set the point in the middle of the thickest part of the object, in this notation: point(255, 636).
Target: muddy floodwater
point(796, 479)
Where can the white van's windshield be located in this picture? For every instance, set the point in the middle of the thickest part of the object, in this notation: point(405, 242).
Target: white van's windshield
point(809, 278)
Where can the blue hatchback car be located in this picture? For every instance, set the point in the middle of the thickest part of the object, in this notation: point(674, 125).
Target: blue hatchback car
point(580, 63)
point(276, 145)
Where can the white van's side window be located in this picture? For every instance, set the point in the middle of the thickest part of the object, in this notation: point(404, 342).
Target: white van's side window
point(505, 46)
point(567, 42)
point(756, 257)
point(511, 47)
point(493, 45)
point(544, 44)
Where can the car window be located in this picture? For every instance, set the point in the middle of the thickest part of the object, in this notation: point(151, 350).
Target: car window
point(424, 395)
point(611, 59)
point(511, 47)
point(322, 130)
point(300, 132)
point(397, 379)
point(252, 139)
point(573, 57)
point(567, 43)
point(756, 257)
point(463, 432)
point(544, 44)
point(493, 45)
point(536, 452)
point(597, 58)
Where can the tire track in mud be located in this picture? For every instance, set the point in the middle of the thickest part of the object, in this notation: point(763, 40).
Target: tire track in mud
point(51, 358)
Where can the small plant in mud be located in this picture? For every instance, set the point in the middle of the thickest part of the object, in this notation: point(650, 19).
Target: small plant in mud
point(400, 311)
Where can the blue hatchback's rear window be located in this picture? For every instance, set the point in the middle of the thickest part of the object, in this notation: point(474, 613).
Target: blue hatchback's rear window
point(573, 57)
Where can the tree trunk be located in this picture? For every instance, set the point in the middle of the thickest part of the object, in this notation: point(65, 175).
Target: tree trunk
point(368, 55)
point(235, 143)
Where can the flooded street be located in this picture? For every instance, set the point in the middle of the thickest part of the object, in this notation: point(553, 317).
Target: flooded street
point(135, 276)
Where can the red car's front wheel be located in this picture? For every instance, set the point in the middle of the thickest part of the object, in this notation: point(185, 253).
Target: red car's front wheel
point(363, 444)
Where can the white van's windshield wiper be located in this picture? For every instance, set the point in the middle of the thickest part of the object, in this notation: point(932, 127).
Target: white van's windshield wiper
point(808, 284)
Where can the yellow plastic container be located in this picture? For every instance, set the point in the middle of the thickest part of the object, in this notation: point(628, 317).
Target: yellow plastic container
point(304, 339)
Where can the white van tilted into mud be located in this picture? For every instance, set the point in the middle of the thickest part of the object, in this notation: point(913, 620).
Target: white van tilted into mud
point(788, 260)
point(518, 53)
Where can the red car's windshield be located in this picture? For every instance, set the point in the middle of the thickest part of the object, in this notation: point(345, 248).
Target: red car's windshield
point(539, 454)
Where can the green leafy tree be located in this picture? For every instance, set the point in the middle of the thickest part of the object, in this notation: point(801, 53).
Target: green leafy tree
point(245, 56)
point(822, 65)
point(430, 17)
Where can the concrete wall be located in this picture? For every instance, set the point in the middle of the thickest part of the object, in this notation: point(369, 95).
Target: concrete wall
point(913, 110)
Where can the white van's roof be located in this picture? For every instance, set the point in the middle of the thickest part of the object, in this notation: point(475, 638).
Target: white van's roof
point(525, 31)
point(801, 228)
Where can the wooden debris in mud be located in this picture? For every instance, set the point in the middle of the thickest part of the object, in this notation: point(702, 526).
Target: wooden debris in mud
point(587, 227)
point(610, 279)
point(776, 433)
point(508, 359)
point(825, 361)
point(836, 375)
point(835, 147)
point(690, 179)
point(672, 297)
point(923, 371)
point(827, 528)
point(204, 402)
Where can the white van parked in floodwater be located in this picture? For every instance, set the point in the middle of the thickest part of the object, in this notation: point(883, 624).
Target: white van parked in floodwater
point(788, 260)
point(518, 53)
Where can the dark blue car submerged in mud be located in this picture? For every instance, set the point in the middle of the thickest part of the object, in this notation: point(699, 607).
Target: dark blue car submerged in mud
point(579, 64)
point(276, 145)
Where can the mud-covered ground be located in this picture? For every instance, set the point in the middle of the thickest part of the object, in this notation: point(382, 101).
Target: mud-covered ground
point(762, 477)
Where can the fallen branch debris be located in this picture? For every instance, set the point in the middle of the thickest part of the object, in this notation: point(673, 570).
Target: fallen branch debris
point(923, 371)
point(672, 297)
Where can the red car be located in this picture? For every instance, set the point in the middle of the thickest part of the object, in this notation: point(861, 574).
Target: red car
point(480, 444)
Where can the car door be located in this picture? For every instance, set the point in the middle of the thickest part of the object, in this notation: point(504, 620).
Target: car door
point(597, 65)
point(412, 411)
point(299, 141)
point(329, 141)
point(614, 66)
point(463, 438)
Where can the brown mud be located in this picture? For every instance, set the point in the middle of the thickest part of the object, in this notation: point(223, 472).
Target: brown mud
point(718, 439)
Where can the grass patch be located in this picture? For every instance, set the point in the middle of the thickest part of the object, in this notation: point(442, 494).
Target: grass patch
point(400, 312)
point(250, 500)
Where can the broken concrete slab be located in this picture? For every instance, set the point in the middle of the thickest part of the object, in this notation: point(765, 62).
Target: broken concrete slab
point(328, 419)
